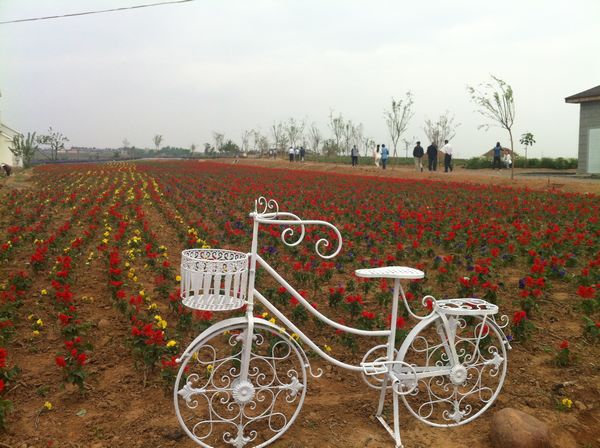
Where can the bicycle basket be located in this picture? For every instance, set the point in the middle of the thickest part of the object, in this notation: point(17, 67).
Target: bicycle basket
point(213, 279)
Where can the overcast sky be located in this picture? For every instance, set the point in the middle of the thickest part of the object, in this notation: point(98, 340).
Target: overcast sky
point(187, 69)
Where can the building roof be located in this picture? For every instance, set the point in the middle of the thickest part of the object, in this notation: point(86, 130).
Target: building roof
point(9, 132)
point(592, 94)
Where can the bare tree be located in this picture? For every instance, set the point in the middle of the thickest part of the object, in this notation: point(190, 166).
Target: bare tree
point(398, 117)
point(278, 131)
point(245, 140)
point(496, 103)
point(294, 130)
point(348, 135)
point(442, 129)
point(219, 139)
point(337, 126)
point(358, 137)
point(369, 143)
point(55, 140)
point(315, 137)
point(157, 139)
point(192, 148)
point(408, 143)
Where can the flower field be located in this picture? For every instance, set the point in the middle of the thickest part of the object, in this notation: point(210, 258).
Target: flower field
point(91, 320)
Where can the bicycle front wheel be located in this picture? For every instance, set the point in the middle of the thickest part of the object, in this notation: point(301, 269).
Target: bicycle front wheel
point(218, 408)
point(460, 369)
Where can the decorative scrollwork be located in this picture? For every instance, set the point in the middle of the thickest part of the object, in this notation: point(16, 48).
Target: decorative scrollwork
point(216, 400)
point(271, 215)
point(267, 206)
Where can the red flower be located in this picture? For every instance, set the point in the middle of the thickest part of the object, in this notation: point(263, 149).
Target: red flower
point(586, 292)
point(81, 358)
point(60, 361)
point(1, 385)
point(564, 345)
point(519, 316)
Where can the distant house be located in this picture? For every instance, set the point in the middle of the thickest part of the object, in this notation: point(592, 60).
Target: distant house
point(589, 129)
point(6, 137)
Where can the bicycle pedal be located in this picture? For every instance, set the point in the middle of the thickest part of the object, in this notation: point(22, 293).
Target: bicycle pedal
point(374, 368)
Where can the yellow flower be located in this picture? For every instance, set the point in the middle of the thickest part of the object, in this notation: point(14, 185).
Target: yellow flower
point(171, 343)
point(48, 405)
point(127, 264)
point(178, 278)
point(153, 306)
point(327, 348)
point(210, 368)
point(44, 292)
point(142, 293)
point(295, 337)
point(30, 317)
point(272, 320)
point(104, 241)
point(35, 333)
point(39, 322)
point(135, 279)
point(567, 403)
point(264, 315)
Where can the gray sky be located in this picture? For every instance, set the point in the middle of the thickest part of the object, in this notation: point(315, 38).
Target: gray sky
point(185, 70)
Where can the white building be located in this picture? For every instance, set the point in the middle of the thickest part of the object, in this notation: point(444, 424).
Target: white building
point(6, 137)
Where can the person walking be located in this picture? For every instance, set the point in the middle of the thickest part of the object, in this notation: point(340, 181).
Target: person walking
point(385, 153)
point(302, 153)
point(291, 153)
point(377, 156)
point(497, 164)
point(297, 154)
point(354, 155)
point(432, 152)
point(418, 153)
point(447, 150)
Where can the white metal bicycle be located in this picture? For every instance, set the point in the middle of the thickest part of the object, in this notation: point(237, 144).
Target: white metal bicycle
point(242, 382)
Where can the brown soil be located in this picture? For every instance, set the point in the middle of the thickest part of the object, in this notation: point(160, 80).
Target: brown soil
point(118, 411)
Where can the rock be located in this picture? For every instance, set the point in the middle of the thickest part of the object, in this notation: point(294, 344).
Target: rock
point(511, 428)
point(103, 324)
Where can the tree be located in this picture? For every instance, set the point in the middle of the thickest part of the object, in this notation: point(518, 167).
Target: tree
point(55, 140)
point(24, 148)
point(245, 140)
point(496, 102)
point(407, 143)
point(294, 130)
point(369, 143)
point(527, 140)
point(230, 147)
point(278, 130)
point(337, 126)
point(208, 149)
point(157, 141)
point(442, 129)
point(348, 135)
point(398, 117)
point(219, 139)
point(315, 137)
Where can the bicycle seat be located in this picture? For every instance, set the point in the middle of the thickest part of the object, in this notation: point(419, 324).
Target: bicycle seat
point(466, 307)
point(402, 272)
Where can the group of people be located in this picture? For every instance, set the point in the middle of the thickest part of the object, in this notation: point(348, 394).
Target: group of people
point(381, 156)
point(296, 153)
point(501, 157)
point(432, 156)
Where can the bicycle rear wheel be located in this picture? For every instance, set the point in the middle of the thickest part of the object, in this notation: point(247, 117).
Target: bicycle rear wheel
point(469, 356)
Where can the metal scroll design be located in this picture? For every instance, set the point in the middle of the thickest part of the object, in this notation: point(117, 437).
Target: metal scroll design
point(468, 382)
point(266, 211)
point(216, 402)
